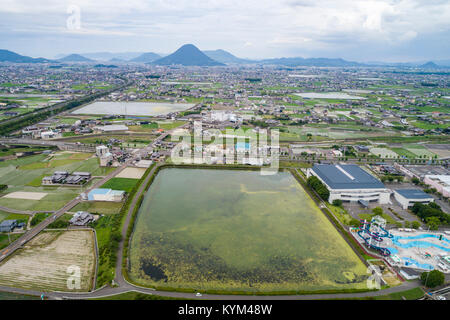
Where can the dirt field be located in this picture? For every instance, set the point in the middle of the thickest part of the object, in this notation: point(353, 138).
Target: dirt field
point(132, 173)
point(26, 195)
point(43, 264)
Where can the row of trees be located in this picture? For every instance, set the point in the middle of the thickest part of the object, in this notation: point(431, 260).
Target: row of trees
point(319, 187)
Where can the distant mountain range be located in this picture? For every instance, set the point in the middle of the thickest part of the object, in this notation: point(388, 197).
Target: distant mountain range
point(314, 62)
point(146, 57)
point(75, 58)
point(226, 57)
point(9, 56)
point(190, 55)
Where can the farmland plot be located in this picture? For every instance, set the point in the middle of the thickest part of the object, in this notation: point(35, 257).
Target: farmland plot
point(43, 263)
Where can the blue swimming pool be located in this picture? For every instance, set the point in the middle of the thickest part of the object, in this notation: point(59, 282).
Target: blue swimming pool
point(410, 262)
point(421, 244)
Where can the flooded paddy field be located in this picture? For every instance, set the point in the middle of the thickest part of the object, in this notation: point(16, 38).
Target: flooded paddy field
point(237, 230)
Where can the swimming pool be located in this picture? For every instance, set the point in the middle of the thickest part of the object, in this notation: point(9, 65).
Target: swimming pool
point(421, 244)
point(409, 261)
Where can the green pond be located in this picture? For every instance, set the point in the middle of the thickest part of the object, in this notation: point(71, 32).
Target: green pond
point(237, 230)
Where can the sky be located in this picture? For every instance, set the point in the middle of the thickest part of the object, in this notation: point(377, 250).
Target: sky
point(358, 30)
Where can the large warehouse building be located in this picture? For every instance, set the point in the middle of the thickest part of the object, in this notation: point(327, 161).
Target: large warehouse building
point(350, 183)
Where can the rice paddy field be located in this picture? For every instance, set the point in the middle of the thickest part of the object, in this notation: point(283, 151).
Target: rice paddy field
point(24, 175)
point(237, 231)
point(43, 262)
point(383, 153)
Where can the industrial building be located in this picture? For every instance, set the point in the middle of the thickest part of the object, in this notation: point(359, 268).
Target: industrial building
point(407, 197)
point(348, 182)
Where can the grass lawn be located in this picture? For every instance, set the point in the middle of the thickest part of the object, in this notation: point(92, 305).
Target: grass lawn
point(101, 207)
point(368, 217)
point(340, 213)
point(125, 184)
point(404, 152)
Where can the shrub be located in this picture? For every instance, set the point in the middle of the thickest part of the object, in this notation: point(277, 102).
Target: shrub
point(377, 211)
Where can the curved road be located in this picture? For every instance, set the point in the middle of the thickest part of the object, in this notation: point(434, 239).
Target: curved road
point(123, 286)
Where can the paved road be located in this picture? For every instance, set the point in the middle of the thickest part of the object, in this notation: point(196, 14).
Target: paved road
point(123, 286)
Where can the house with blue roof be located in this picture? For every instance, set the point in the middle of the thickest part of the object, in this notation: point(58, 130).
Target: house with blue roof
point(407, 197)
point(349, 182)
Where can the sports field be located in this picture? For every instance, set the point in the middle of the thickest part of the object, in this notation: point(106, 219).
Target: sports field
point(240, 231)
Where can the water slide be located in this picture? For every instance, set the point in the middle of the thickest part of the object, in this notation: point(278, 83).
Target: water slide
point(384, 251)
point(365, 229)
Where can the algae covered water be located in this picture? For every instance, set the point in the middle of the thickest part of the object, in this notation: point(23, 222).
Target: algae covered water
point(237, 230)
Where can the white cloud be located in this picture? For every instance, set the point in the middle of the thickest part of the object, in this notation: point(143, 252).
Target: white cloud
point(311, 25)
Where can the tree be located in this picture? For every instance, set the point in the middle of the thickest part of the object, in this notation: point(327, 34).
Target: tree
point(355, 223)
point(432, 279)
point(415, 180)
point(377, 211)
point(337, 202)
point(433, 222)
point(415, 224)
point(319, 187)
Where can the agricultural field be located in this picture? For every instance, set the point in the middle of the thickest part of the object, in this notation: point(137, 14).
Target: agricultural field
point(43, 262)
point(24, 175)
point(419, 150)
point(100, 207)
point(239, 231)
point(125, 184)
point(383, 152)
point(131, 173)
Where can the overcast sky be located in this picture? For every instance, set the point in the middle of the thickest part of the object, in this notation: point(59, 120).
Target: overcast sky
point(372, 30)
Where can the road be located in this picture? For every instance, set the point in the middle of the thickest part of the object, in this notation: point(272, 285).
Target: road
point(123, 286)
